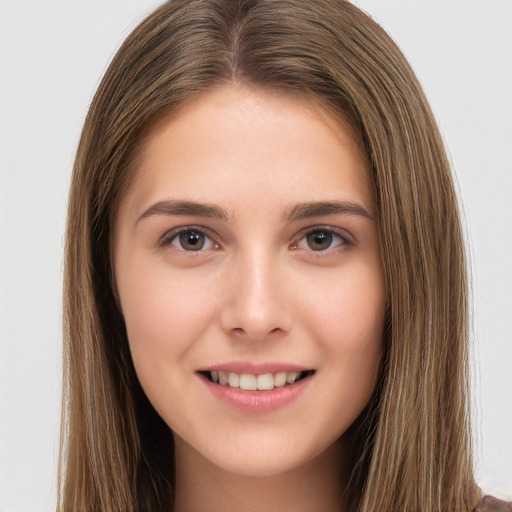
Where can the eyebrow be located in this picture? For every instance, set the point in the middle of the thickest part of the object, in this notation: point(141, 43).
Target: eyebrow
point(178, 207)
point(297, 212)
point(320, 208)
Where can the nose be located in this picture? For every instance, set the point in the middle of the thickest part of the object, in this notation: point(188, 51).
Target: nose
point(256, 307)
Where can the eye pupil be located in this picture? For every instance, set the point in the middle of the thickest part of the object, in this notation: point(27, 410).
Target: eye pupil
point(319, 240)
point(192, 240)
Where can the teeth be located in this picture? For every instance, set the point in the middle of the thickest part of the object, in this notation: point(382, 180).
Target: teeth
point(265, 382)
point(251, 382)
point(248, 382)
point(223, 378)
point(291, 377)
point(234, 380)
point(279, 379)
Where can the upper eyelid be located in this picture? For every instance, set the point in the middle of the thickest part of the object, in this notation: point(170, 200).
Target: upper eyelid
point(343, 233)
point(172, 233)
point(344, 241)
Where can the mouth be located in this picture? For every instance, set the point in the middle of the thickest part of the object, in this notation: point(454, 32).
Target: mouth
point(256, 382)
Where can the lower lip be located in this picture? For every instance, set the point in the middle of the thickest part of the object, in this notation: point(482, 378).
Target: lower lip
point(257, 401)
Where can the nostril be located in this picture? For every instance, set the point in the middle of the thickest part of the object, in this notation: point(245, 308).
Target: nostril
point(254, 334)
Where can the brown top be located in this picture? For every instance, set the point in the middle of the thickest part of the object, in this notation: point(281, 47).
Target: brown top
point(492, 504)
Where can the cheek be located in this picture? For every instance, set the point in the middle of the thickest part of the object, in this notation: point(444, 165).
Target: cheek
point(353, 336)
point(163, 314)
point(347, 318)
point(347, 309)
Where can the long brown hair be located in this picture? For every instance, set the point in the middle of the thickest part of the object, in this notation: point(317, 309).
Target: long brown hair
point(412, 446)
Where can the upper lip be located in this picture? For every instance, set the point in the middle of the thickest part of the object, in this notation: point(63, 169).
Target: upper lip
point(255, 368)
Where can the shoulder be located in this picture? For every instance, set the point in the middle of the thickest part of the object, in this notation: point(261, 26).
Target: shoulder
point(492, 504)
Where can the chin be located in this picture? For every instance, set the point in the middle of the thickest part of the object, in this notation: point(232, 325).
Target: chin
point(266, 456)
point(258, 467)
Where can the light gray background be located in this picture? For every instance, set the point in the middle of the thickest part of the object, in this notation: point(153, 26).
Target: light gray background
point(52, 55)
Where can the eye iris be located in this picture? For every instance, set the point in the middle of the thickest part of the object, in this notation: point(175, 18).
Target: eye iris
point(192, 240)
point(319, 240)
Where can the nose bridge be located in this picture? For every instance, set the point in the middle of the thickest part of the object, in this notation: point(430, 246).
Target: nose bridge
point(257, 306)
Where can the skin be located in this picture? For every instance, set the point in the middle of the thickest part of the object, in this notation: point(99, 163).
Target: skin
point(257, 291)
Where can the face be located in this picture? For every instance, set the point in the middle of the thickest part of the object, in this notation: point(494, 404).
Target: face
point(247, 265)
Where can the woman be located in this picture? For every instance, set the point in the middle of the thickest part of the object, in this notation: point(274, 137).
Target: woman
point(272, 294)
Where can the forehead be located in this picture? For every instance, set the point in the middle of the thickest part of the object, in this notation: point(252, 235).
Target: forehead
point(233, 143)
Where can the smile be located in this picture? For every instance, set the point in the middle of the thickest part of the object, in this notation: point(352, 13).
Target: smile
point(256, 389)
point(253, 382)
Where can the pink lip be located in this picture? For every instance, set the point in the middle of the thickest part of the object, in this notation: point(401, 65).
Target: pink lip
point(257, 401)
point(255, 368)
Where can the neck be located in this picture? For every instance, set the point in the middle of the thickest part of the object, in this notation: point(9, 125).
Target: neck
point(314, 486)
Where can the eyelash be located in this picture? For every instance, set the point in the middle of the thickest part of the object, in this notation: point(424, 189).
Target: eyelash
point(173, 235)
point(343, 241)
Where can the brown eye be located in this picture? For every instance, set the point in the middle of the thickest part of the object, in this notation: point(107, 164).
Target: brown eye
point(192, 240)
point(319, 240)
point(188, 239)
